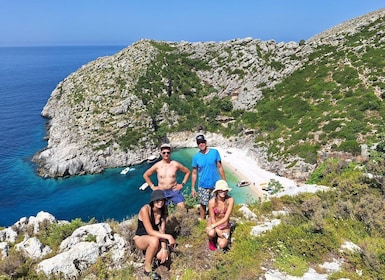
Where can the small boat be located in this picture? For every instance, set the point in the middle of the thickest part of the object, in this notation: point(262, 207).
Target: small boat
point(243, 183)
point(152, 158)
point(143, 186)
point(264, 186)
point(125, 171)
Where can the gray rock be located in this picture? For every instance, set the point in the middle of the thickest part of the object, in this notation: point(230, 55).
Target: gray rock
point(72, 262)
point(8, 234)
point(247, 213)
point(85, 245)
point(257, 230)
point(33, 248)
point(4, 249)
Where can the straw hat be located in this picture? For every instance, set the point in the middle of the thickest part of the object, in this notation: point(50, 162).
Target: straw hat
point(221, 185)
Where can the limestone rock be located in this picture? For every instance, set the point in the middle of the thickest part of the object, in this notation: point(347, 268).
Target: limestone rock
point(247, 213)
point(85, 245)
point(4, 249)
point(257, 230)
point(72, 262)
point(8, 234)
point(33, 248)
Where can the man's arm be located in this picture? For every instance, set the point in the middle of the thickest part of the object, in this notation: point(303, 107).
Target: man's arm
point(147, 175)
point(186, 172)
point(221, 170)
point(193, 180)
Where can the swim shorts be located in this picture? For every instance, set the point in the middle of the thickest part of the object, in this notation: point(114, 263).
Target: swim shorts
point(173, 196)
point(204, 195)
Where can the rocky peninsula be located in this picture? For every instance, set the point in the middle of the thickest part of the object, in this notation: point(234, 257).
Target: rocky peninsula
point(116, 110)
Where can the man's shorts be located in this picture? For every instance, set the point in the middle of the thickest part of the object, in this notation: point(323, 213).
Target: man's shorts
point(205, 195)
point(173, 196)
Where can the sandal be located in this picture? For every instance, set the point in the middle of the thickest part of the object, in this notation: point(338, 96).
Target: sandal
point(153, 275)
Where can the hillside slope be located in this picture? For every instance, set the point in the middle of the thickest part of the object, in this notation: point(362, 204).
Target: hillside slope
point(289, 100)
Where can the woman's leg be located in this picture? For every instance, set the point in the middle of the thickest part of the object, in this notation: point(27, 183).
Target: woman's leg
point(222, 241)
point(211, 233)
point(151, 245)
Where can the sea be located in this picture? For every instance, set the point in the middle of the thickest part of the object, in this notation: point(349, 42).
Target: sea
point(28, 75)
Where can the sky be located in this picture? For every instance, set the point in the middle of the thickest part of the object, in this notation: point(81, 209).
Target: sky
point(123, 22)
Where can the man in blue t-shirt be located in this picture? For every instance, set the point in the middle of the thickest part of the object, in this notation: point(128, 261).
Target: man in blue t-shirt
point(207, 167)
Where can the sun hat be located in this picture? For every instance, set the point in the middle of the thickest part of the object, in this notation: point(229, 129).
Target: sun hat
point(157, 195)
point(221, 185)
point(165, 146)
point(200, 139)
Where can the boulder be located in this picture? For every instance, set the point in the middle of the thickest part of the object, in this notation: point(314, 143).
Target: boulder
point(82, 249)
point(247, 213)
point(33, 248)
point(69, 264)
point(4, 249)
point(8, 234)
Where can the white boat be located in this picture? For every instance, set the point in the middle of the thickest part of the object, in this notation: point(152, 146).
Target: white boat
point(264, 186)
point(125, 170)
point(143, 186)
point(152, 158)
point(243, 183)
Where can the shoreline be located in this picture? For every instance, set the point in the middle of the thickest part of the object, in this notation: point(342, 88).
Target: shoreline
point(254, 188)
point(246, 168)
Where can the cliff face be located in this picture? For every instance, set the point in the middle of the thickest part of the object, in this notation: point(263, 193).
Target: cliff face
point(92, 107)
point(88, 110)
point(96, 110)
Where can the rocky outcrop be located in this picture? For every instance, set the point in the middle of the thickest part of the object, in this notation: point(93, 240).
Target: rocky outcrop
point(91, 243)
point(82, 249)
point(87, 112)
point(90, 110)
point(33, 248)
point(76, 253)
point(93, 108)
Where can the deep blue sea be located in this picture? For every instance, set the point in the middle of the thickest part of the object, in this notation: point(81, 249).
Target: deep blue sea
point(28, 75)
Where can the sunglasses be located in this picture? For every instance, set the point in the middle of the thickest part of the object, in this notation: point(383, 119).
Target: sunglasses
point(166, 153)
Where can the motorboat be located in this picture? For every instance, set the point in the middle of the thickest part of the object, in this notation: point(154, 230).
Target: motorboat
point(243, 183)
point(264, 186)
point(152, 158)
point(125, 171)
point(143, 186)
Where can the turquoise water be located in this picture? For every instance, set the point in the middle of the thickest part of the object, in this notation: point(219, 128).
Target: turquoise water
point(241, 195)
point(27, 78)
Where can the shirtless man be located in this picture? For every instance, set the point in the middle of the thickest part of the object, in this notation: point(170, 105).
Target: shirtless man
point(166, 170)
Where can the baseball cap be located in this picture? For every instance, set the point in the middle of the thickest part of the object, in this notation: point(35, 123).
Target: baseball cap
point(165, 146)
point(200, 139)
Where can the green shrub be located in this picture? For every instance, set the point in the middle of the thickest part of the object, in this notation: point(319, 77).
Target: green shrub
point(350, 146)
point(293, 265)
point(54, 234)
point(274, 186)
point(381, 147)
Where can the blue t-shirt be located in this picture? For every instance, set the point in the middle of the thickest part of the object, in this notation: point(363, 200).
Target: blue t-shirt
point(206, 164)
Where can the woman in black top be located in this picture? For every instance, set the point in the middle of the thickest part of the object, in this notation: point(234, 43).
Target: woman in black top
point(150, 234)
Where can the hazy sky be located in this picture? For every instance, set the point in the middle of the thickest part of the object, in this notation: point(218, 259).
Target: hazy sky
point(122, 22)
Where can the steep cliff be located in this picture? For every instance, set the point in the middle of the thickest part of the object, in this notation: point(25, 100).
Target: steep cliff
point(115, 110)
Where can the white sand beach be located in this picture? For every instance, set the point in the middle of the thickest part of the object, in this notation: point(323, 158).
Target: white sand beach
point(246, 168)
